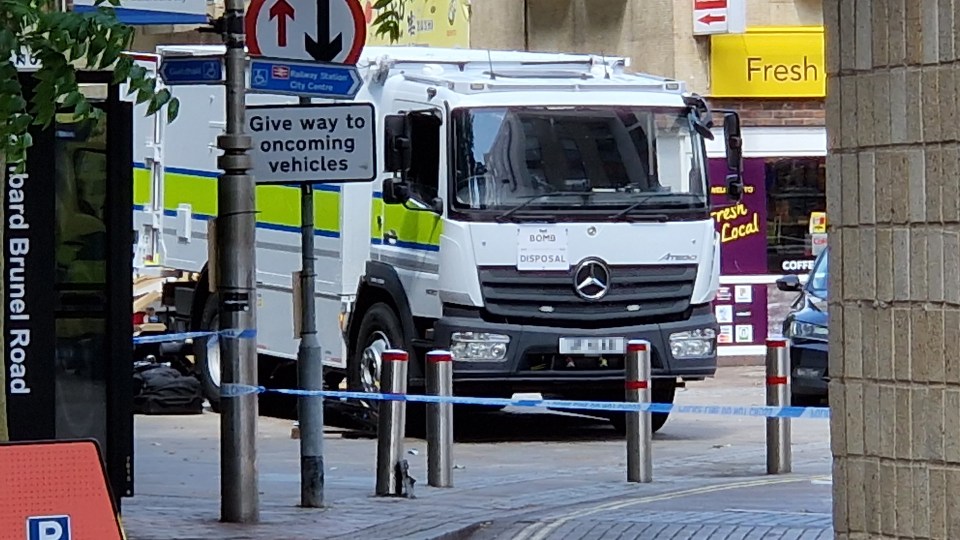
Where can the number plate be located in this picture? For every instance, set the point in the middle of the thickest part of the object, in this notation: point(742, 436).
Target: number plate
point(591, 346)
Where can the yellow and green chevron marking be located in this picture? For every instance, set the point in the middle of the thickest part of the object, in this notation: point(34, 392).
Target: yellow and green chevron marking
point(415, 230)
point(278, 206)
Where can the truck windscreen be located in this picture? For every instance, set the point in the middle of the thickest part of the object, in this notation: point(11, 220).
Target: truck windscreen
point(637, 158)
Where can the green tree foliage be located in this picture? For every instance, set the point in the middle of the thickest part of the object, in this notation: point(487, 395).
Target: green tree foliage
point(390, 15)
point(63, 43)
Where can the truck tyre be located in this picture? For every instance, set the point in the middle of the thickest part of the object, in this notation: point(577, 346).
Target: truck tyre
point(380, 330)
point(207, 353)
point(663, 391)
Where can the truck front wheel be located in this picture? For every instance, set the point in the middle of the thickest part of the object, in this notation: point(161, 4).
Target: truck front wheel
point(663, 391)
point(380, 330)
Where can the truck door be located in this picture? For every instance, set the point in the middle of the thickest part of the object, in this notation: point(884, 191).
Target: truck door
point(409, 235)
point(148, 179)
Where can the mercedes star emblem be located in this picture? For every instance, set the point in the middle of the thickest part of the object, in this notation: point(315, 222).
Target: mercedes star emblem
point(591, 280)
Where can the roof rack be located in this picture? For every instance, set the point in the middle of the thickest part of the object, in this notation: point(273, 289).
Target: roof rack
point(548, 74)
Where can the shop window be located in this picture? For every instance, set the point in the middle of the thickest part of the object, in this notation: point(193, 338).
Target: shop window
point(796, 187)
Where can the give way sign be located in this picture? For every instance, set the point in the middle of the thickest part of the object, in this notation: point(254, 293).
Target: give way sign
point(331, 31)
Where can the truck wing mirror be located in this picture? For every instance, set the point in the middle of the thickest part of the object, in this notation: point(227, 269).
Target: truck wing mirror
point(734, 142)
point(396, 144)
point(436, 206)
point(700, 115)
point(734, 151)
point(734, 187)
point(395, 191)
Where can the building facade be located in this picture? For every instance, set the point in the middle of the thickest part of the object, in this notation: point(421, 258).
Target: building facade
point(895, 312)
point(434, 23)
point(773, 75)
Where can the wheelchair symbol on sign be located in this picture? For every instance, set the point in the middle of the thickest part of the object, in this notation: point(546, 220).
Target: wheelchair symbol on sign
point(260, 76)
point(210, 70)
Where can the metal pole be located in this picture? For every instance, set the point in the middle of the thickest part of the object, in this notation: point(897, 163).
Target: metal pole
point(778, 395)
point(639, 424)
point(391, 423)
point(236, 276)
point(440, 420)
point(309, 363)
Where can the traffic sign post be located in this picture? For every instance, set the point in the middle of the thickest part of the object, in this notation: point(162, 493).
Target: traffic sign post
point(308, 48)
point(311, 144)
point(304, 79)
point(191, 70)
point(331, 31)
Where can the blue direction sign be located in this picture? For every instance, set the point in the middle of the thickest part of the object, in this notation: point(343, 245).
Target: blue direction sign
point(191, 70)
point(304, 79)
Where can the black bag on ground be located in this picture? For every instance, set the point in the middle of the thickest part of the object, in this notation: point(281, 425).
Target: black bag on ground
point(160, 389)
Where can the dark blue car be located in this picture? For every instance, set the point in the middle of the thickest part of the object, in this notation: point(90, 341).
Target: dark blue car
point(806, 329)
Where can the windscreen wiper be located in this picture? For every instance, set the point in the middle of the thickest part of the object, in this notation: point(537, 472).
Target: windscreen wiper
point(506, 215)
point(659, 216)
point(626, 211)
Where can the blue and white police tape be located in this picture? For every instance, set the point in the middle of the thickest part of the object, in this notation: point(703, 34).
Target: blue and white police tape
point(234, 390)
point(183, 336)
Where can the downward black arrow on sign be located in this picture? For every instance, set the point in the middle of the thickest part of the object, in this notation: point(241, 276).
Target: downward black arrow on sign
point(323, 49)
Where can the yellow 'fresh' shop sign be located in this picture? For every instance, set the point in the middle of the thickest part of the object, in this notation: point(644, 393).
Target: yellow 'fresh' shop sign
point(777, 62)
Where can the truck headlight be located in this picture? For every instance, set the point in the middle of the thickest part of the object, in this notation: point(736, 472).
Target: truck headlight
point(803, 330)
point(478, 347)
point(699, 343)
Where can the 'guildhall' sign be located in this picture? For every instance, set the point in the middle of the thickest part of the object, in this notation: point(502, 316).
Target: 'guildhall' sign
point(28, 305)
point(145, 12)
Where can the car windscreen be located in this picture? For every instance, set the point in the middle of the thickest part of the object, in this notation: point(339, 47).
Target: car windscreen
point(817, 283)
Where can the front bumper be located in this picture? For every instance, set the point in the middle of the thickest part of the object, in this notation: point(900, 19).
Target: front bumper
point(533, 362)
point(809, 368)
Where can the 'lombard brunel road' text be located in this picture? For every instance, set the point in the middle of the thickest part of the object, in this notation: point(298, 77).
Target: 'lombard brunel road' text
point(18, 246)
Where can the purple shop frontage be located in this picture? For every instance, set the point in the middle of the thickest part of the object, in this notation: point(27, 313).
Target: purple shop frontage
point(762, 238)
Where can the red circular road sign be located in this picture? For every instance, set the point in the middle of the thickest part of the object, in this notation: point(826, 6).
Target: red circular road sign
point(330, 31)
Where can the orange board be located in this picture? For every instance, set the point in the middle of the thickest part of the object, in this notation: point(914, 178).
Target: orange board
point(55, 490)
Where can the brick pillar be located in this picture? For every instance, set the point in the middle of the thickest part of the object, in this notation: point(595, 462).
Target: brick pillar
point(893, 200)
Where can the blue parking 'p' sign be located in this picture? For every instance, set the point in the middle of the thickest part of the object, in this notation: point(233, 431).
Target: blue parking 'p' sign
point(48, 528)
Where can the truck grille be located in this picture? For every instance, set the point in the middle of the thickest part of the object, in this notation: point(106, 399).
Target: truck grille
point(557, 362)
point(636, 294)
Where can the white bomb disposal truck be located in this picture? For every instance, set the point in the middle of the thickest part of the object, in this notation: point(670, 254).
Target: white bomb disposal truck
point(532, 213)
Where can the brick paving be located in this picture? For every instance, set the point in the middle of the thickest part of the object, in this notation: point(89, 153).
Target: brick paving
point(709, 482)
point(659, 529)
